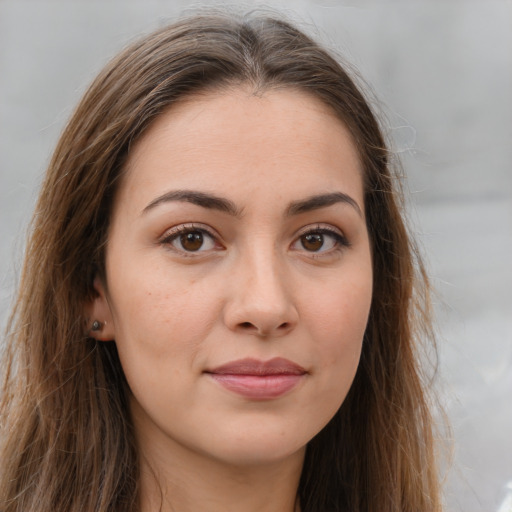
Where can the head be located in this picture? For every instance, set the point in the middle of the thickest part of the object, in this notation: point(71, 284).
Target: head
point(381, 430)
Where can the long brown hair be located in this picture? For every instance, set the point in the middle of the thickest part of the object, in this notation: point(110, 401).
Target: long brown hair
point(66, 436)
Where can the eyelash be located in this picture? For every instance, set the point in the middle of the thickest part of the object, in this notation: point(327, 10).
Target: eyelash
point(340, 240)
point(184, 229)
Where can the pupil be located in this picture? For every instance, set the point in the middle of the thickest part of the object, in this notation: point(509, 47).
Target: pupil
point(313, 242)
point(192, 241)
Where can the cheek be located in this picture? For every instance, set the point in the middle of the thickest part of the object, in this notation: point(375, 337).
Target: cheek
point(160, 325)
point(336, 319)
point(160, 315)
point(341, 308)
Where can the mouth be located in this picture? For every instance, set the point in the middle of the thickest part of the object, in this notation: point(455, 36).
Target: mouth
point(259, 380)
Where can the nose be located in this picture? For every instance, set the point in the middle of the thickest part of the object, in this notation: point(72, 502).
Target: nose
point(261, 298)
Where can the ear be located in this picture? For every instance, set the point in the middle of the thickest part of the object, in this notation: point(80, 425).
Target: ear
point(98, 310)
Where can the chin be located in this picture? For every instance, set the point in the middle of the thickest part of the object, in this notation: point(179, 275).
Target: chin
point(267, 446)
point(254, 454)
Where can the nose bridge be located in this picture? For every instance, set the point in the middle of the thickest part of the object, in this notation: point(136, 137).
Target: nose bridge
point(264, 272)
point(261, 301)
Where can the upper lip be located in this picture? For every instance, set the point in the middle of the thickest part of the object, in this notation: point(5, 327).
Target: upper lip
point(250, 366)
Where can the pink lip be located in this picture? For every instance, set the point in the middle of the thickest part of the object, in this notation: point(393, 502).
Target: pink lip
point(262, 380)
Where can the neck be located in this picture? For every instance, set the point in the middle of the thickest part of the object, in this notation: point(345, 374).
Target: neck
point(196, 484)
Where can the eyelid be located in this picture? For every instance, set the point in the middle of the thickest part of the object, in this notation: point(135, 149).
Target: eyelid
point(327, 229)
point(172, 233)
point(320, 228)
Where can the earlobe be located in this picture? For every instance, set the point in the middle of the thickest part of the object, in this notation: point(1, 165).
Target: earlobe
point(98, 314)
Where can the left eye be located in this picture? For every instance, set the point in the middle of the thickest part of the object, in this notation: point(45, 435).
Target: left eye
point(190, 240)
point(318, 241)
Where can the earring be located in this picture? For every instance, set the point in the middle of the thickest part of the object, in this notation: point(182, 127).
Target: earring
point(96, 326)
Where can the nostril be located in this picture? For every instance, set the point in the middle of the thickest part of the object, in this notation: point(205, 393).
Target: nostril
point(264, 330)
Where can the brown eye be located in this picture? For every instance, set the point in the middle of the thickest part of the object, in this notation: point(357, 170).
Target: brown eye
point(187, 239)
point(312, 241)
point(192, 241)
point(321, 240)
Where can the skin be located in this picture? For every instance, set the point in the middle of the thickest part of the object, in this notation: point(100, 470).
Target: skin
point(256, 287)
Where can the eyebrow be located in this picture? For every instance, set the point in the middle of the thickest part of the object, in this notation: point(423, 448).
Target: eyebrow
point(213, 202)
point(202, 199)
point(321, 201)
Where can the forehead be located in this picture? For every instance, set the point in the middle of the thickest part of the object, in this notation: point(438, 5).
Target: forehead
point(238, 142)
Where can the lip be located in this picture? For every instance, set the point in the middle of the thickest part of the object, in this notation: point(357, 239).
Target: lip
point(259, 380)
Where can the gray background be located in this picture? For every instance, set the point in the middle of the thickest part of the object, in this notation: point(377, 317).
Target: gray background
point(443, 71)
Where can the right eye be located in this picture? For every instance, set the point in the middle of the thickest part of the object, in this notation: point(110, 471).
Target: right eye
point(190, 239)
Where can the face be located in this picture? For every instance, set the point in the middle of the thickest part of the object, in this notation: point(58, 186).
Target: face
point(238, 275)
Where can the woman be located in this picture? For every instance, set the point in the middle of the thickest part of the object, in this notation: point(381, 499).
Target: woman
point(220, 302)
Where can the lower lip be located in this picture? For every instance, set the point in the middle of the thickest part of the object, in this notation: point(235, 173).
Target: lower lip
point(259, 387)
